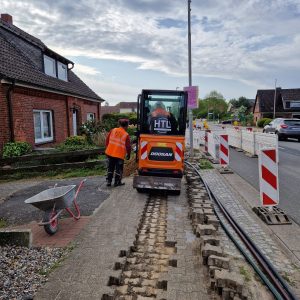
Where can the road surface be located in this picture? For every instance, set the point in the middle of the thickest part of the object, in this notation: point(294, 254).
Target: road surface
point(289, 175)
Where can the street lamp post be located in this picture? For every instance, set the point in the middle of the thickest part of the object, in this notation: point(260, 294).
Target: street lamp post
point(274, 109)
point(190, 76)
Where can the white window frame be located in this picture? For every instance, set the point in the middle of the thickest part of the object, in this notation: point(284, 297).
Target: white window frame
point(53, 61)
point(60, 64)
point(44, 139)
point(88, 116)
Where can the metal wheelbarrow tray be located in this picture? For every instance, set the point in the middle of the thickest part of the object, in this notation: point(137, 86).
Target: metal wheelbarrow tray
point(62, 197)
point(52, 201)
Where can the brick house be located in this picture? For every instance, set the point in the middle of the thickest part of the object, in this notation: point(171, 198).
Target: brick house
point(41, 100)
point(287, 104)
point(122, 107)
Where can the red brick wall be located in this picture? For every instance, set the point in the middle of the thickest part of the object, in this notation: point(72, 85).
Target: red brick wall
point(4, 126)
point(24, 101)
point(83, 107)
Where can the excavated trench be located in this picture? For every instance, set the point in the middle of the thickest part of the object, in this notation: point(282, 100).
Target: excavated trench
point(148, 258)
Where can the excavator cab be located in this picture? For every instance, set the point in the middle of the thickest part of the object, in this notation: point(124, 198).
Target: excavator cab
point(160, 140)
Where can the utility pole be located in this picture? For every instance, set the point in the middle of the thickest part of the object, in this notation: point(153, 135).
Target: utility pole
point(274, 110)
point(190, 77)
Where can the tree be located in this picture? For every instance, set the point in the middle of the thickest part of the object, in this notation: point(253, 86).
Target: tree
point(241, 101)
point(213, 103)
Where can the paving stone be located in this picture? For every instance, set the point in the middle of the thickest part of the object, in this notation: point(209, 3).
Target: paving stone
point(210, 239)
point(208, 250)
point(212, 219)
point(217, 261)
point(205, 230)
point(226, 279)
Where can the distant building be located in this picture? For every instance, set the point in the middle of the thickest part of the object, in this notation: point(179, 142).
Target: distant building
point(42, 101)
point(287, 104)
point(122, 107)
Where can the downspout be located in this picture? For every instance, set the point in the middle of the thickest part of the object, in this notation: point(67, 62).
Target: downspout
point(68, 116)
point(10, 111)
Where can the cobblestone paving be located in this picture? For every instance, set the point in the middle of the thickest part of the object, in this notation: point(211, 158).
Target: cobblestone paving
point(231, 201)
point(187, 281)
point(85, 274)
point(91, 267)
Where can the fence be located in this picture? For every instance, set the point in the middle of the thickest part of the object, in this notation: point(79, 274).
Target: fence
point(249, 141)
point(198, 138)
point(235, 137)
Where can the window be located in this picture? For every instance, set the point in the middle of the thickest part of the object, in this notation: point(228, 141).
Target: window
point(62, 71)
point(55, 68)
point(295, 104)
point(43, 127)
point(163, 113)
point(90, 117)
point(49, 64)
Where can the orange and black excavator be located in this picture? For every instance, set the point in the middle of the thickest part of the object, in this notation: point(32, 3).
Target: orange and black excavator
point(160, 140)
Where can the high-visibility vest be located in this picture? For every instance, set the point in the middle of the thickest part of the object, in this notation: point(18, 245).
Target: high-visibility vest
point(160, 112)
point(117, 143)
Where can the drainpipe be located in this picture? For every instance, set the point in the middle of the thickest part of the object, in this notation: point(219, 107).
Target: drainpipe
point(68, 116)
point(10, 111)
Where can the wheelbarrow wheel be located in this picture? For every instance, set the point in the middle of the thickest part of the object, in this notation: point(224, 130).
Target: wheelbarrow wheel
point(52, 227)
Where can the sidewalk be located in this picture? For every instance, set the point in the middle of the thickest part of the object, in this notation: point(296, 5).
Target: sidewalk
point(232, 191)
point(112, 229)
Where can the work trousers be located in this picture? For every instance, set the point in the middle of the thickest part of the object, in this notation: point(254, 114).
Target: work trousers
point(115, 165)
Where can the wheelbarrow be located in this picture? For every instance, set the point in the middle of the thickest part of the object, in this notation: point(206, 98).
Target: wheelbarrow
point(53, 201)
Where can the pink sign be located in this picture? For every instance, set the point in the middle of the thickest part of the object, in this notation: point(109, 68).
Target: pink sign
point(192, 96)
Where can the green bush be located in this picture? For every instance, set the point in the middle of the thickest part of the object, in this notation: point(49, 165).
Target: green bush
point(16, 149)
point(267, 122)
point(131, 131)
point(77, 140)
point(91, 129)
point(74, 143)
point(261, 122)
point(110, 121)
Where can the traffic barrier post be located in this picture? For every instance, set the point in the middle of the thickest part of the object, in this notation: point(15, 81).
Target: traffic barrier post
point(268, 177)
point(224, 151)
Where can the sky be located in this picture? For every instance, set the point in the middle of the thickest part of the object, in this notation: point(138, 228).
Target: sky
point(120, 47)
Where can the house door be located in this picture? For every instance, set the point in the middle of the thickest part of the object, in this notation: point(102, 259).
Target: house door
point(75, 122)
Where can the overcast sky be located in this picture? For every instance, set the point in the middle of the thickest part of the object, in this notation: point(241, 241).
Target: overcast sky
point(122, 46)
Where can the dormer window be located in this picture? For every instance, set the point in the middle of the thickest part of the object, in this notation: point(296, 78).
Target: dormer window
point(55, 68)
point(49, 64)
point(62, 71)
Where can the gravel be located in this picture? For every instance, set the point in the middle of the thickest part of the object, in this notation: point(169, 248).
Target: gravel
point(24, 270)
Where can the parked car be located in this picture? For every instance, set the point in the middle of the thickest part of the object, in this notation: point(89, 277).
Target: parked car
point(284, 128)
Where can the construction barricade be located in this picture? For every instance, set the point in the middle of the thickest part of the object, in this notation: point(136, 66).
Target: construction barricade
point(224, 150)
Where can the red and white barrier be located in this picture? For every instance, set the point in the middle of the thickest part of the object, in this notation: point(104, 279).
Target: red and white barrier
point(268, 177)
point(224, 150)
point(144, 152)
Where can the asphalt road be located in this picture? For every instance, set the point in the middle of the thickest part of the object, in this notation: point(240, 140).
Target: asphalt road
point(289, 175)
point(14, 211)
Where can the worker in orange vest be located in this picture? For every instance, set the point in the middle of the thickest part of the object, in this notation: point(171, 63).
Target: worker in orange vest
point(117, 146)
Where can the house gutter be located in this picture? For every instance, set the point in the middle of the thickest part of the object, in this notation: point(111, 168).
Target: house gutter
point(10, 111)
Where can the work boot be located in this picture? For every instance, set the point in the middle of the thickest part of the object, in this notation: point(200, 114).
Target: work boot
point(108, 184)
point(119, 183)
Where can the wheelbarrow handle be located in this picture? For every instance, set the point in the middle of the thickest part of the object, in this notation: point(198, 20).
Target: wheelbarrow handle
point(79, 188)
